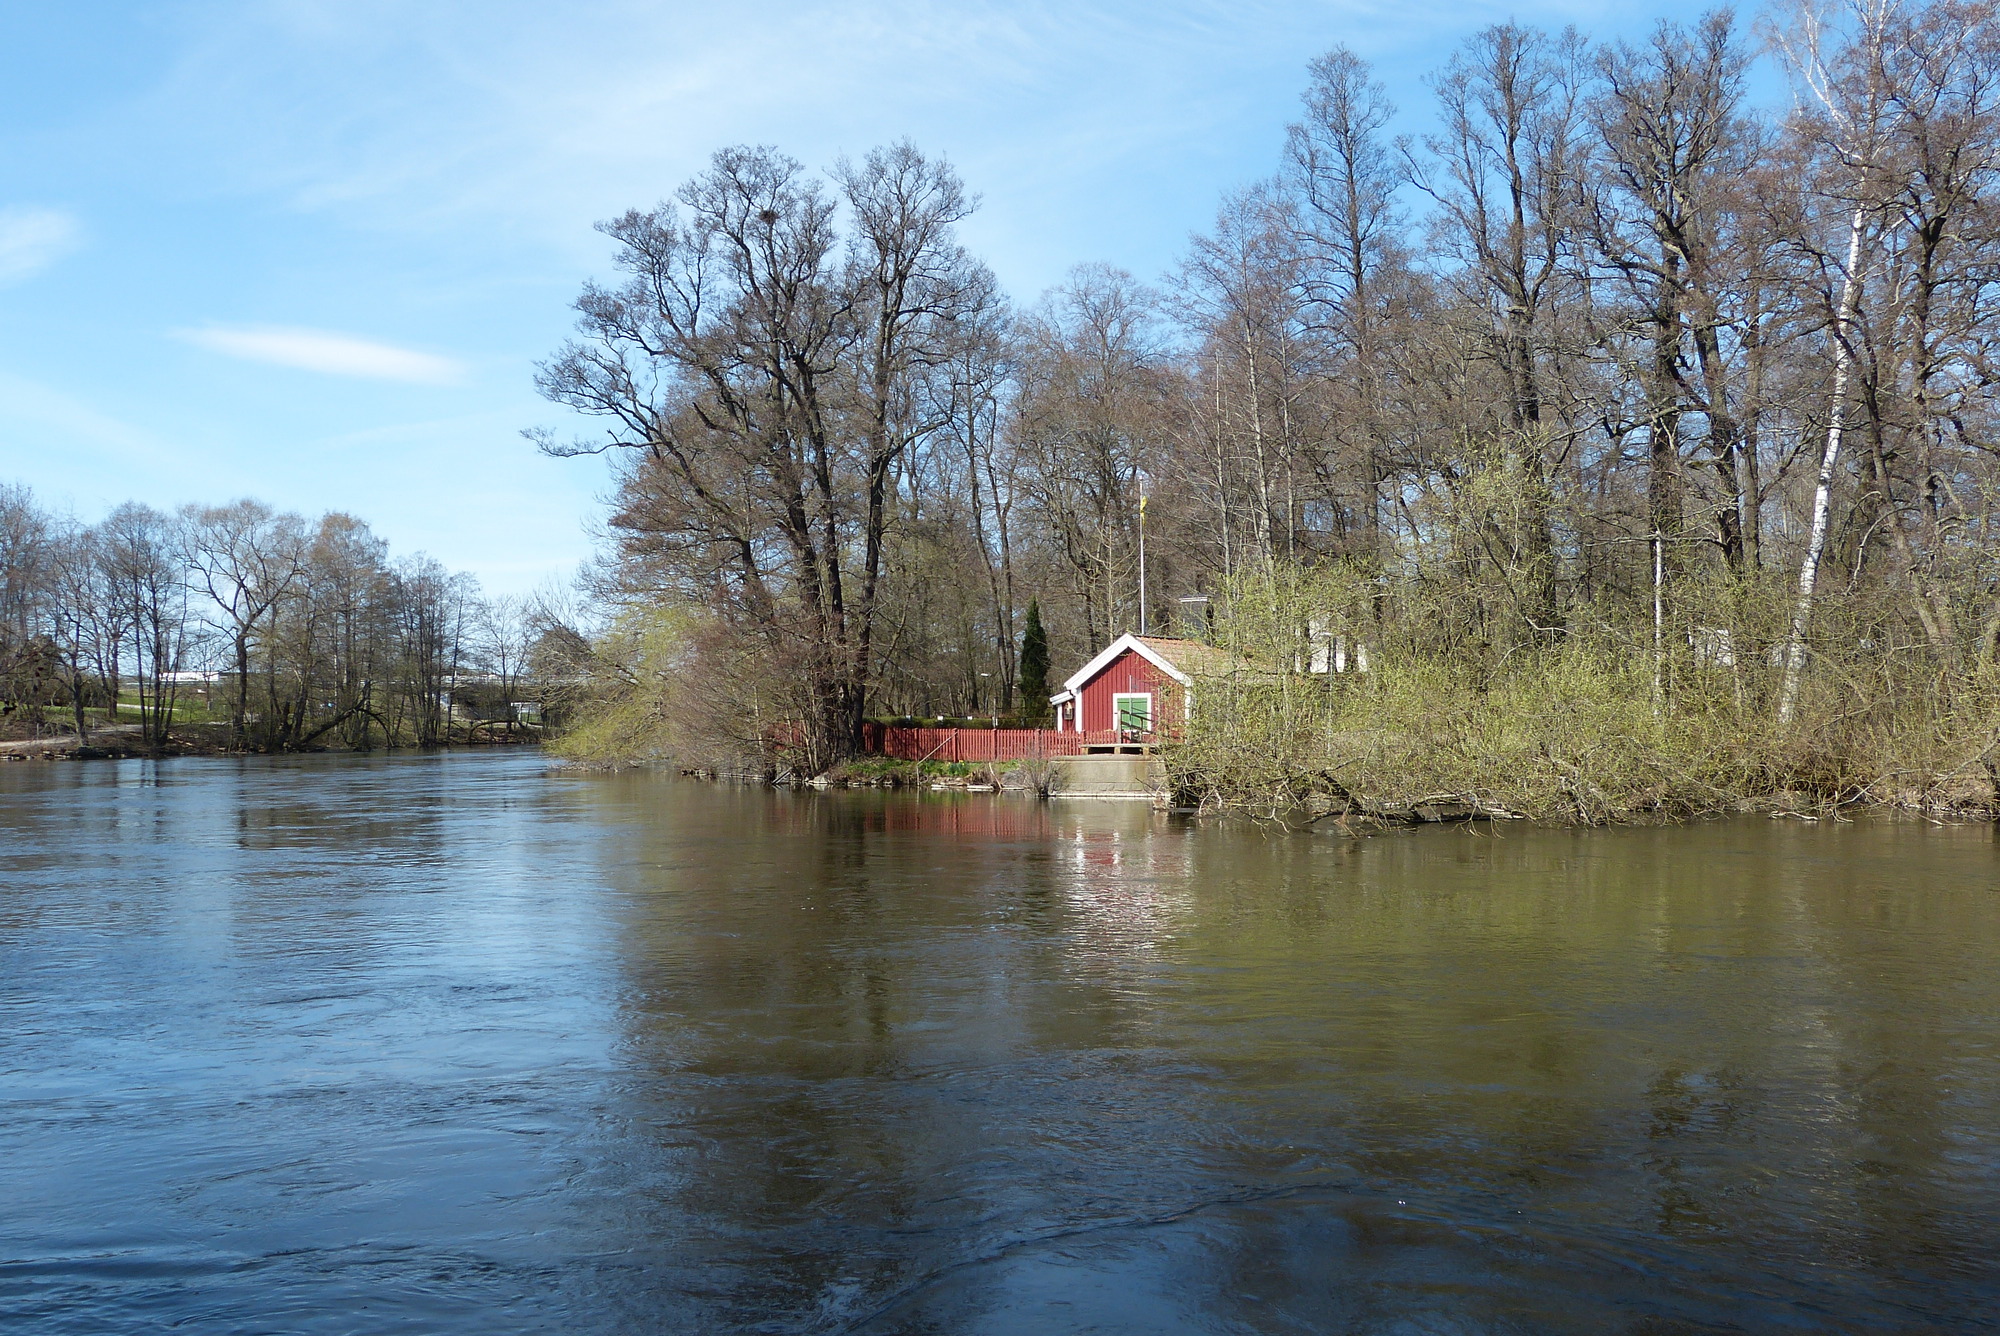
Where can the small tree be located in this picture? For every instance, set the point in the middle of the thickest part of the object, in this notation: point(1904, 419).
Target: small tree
point(1035, 668)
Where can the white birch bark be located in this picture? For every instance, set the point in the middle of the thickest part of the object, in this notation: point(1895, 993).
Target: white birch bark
point(1863, 134)
point(1836, 424)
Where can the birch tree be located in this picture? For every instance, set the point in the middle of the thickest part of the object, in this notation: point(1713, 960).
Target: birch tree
point(1845, 80)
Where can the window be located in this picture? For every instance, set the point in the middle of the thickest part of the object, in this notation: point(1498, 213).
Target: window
point(1134, 712)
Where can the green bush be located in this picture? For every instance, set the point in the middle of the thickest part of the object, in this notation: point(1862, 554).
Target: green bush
point(1592, 728)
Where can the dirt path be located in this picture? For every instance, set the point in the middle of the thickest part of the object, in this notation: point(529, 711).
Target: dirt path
point(110, 737)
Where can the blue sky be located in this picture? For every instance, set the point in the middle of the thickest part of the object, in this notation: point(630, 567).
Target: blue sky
point(310, 251)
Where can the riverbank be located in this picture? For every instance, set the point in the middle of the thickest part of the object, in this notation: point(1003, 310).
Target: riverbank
point(1441, 769)
point(1400, 779)
point(111, 741)
point(1384, 784)
point(124, 741)
point(1386, 780)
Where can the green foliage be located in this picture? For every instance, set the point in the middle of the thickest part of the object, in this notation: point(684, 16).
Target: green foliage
point(625, 703)
point(676, 682)
point(1593, 728)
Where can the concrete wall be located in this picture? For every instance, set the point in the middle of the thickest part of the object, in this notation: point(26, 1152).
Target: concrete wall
point(1109, 777)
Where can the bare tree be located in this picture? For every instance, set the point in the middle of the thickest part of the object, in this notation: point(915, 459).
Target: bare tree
point(82, 622)
point(146, 576)
point(763, 373)
point(505, 633)
point(27, 552)
point(1353, 263)
point(1090, 422)
point(1504, 174)
point(246, 559)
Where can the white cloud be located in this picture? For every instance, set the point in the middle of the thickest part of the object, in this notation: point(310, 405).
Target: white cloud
point(33, 239)
point(320, 350)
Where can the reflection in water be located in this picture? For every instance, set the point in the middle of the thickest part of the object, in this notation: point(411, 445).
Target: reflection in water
point(453, 1044)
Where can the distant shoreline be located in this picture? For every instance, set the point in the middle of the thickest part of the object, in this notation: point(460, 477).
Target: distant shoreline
point(118, 742)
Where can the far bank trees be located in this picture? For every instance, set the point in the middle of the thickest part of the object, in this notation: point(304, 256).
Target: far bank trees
point(241, 627)
point(1611, 362)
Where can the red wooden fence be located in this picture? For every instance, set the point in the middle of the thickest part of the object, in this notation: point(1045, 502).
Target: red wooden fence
point(977, 744)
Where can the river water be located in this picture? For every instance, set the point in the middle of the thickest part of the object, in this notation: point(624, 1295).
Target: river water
point(462, 1044)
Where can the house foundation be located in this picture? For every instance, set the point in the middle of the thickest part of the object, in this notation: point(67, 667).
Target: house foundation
point(1109, 776)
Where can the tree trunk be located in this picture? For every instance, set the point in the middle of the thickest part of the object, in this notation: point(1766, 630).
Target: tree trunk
point(1843, 358)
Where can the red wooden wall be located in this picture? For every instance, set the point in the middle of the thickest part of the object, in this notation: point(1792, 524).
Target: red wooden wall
point(1129, 672)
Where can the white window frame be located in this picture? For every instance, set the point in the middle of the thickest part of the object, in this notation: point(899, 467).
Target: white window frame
point(1118, 715)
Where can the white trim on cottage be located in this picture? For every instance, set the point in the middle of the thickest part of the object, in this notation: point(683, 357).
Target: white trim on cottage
point(1118, 699)
point(1112, 651)
point(1066, 706)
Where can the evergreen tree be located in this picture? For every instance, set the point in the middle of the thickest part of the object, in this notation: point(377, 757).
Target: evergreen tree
point(1034, 668)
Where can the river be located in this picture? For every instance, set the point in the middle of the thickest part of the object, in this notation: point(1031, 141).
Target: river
point(461, 1043)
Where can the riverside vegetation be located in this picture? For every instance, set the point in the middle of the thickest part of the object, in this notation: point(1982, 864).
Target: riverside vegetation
point(1596, 725)
point(237, 627)
point(1630, 446)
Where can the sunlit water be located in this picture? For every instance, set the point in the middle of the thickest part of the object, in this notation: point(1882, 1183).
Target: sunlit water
point(458, 1044)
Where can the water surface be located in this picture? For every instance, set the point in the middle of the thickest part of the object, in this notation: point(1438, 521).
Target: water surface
point(454, 1044)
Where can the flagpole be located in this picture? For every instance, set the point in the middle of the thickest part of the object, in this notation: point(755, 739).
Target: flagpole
point(1142, 565)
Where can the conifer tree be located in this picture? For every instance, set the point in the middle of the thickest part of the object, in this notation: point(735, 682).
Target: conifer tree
point(1034, 668)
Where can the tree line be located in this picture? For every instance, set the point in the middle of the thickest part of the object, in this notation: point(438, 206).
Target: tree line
point(268, 630)
point(1611, 361)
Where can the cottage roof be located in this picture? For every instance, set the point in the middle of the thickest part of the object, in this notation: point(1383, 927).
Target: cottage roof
point(1182, 660)
point(1196, 658)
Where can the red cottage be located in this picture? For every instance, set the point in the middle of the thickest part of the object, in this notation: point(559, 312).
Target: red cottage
point(1139, 685)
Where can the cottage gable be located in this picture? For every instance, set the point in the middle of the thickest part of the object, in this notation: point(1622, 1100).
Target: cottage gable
point(1138, 685)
